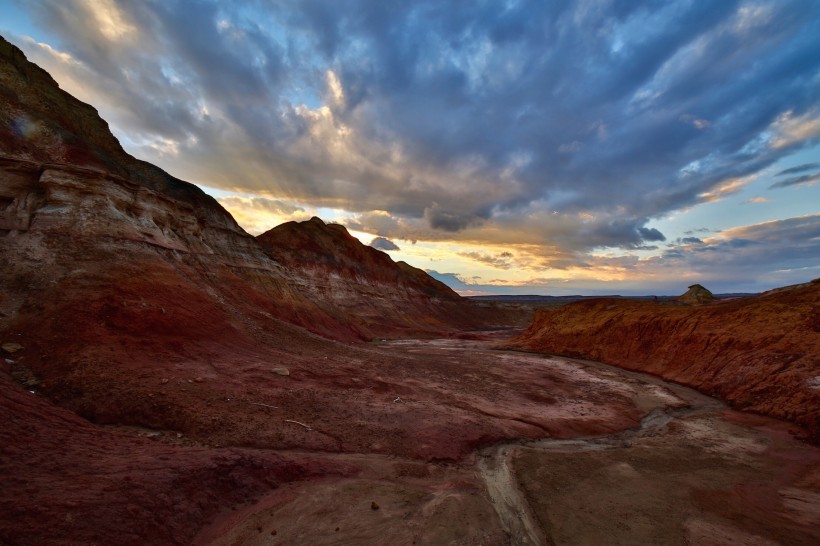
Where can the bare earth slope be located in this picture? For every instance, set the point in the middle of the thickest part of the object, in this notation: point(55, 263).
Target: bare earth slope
point(760, 354)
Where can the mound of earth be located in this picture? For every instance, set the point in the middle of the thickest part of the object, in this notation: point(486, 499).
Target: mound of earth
point(760, 354)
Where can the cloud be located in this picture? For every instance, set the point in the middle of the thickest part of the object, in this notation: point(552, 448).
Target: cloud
point(699, 230)
point(453, 280)
point(651, 234)
point(259, 214)
point(806, 179)
point(726, 188)
point(790, 129)
point(799, 169)
point(756, 199)
point(559, 125)
point(261, 203)
point(449, 220)
point(775, 253)
point(384, 244)
point(498, 261)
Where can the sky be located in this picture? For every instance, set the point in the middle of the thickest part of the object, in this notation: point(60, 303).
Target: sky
point(506, 147)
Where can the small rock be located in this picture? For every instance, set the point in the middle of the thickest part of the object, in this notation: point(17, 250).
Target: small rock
point(374, 506)
point(11, 348)
point(164, 381)
point(281, 371)
point(198, 380)
point(273, 532)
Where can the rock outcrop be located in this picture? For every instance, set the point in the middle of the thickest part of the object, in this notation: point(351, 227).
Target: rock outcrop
point(696, 295)
point(760, 353)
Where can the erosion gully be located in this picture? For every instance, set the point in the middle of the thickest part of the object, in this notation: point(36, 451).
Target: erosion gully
point(693, 472)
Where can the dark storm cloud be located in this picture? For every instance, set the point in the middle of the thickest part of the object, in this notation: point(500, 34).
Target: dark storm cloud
point(464, 114)
point(384, 244)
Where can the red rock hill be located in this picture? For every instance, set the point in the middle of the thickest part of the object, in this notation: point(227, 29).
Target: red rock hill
point(84, 223)
point(760, 353)
point(361, 285)
point(85, 227)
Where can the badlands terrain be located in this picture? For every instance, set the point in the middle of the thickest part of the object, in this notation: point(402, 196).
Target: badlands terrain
point(167, 378)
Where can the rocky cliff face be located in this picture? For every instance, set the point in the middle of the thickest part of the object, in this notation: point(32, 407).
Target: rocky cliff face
point(760, 354)
point(364, 286)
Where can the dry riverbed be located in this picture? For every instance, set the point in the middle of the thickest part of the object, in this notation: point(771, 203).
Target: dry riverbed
point(692, 471)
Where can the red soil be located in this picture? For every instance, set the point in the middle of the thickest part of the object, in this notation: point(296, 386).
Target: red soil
point(109, 487)
point(761, 354)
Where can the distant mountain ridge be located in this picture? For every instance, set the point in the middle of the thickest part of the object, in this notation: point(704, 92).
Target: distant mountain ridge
point(535, 298)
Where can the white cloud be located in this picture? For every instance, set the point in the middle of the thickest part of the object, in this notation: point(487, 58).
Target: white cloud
point(789, 129)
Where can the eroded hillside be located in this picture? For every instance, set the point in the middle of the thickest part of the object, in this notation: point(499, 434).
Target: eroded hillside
point(760, 354)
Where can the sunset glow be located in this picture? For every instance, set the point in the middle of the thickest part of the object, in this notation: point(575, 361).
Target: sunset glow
point(517, 147)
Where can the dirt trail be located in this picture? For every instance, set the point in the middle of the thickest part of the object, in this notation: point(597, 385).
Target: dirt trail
point(512, 508)
point(692, 472)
